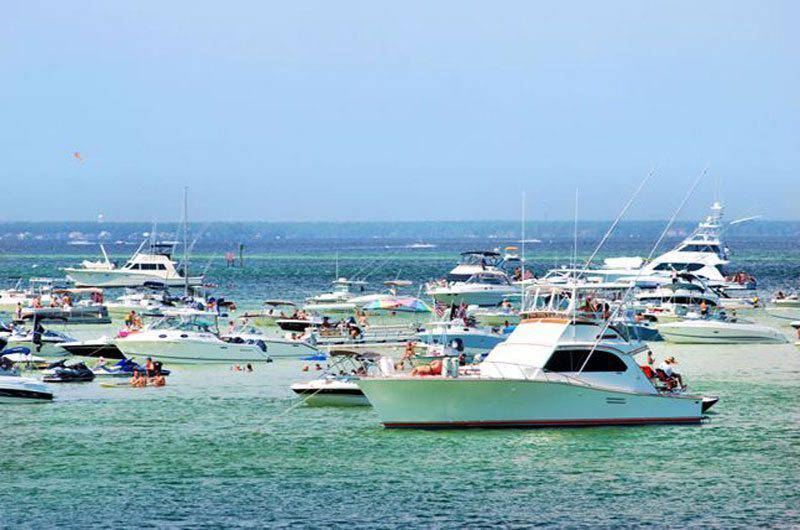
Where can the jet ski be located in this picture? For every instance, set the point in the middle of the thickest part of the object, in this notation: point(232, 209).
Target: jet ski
point(59, 372)
point(125, 368)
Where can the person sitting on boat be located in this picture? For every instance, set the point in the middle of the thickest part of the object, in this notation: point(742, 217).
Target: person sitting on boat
point(18, 311)
point(668, 367)
point(37, 302)
point(101, 363)
point(703, 308)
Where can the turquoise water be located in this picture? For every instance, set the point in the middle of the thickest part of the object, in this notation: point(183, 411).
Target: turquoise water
point(221, 448)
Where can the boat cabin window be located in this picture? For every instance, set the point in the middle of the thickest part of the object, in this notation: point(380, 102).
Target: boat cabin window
point(690, 267)
point(458, 277)
point(700, 248)
point(134, 267)
point(489, 279)
point(572, 360)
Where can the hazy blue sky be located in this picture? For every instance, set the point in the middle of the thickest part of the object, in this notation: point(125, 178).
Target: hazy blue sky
point(405, 110)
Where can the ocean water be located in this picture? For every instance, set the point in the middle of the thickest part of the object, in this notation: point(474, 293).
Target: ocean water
point(217, 448)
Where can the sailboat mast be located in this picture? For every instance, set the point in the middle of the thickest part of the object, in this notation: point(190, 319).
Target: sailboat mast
point(185, 241)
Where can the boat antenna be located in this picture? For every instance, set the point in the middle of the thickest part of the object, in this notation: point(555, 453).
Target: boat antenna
point(336, 273)
point(522, 252)
point(186, 241)
point(575, 233)
point(641, 270)
point(618, 219)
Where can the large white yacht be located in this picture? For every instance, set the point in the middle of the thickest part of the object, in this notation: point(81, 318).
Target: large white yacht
point(702, 254)
point(559, 367)
point(478, 279)
point(151, 263)
point(188, 340)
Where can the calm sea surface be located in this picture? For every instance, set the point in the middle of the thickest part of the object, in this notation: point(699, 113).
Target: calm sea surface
point(221, 448)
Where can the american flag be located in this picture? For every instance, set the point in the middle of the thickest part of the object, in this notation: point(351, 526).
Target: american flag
point(439, 308)
point(461, 312)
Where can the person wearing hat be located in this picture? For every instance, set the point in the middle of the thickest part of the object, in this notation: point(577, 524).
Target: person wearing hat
point(668, 367)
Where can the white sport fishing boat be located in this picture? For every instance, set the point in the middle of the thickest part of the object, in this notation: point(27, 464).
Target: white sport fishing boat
point(558, 368)
point(150, 263)
point(192, 339)
point(720, 331)
point(702, 254)
point(478, 280)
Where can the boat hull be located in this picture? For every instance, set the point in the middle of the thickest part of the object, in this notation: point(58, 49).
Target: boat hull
point(687, 333)
point(471, 342)
point(122, 278)
point(466, 402)
point(484, 297)
point(178, 352)
point(331, 397)
point(14, 390)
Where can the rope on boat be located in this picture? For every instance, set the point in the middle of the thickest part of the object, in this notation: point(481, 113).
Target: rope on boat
point(294, 406)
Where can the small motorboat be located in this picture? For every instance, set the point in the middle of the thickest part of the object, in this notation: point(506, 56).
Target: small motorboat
point(102, 347)
point(338, 387)
point(16, 389)
point(717, 331)
point(59, 372)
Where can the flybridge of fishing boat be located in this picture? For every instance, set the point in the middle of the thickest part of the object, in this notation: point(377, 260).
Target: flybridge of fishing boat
point(152, 262)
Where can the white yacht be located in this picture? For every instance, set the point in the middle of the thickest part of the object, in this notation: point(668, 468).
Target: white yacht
point(685, 293)
point(558, 368)
point(702, 254)
point(478, 279)
point(188, 340)
point(150, 263)
point(720, 331)
point(338, 300)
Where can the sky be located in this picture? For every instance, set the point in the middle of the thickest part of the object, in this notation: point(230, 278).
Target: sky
point(359, 111)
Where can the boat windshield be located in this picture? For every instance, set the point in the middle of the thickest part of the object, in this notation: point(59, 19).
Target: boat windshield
point(196, 325)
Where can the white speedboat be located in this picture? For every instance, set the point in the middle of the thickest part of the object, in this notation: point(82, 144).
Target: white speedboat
point(46, 343)
point(188, 340)
point(15, 389)
point(717, 331)
point(478, 279)
point(337, 300)
point(558, 368)
point(274, 346)
point(153, 264)
point(469, 339)
point(338, 387)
